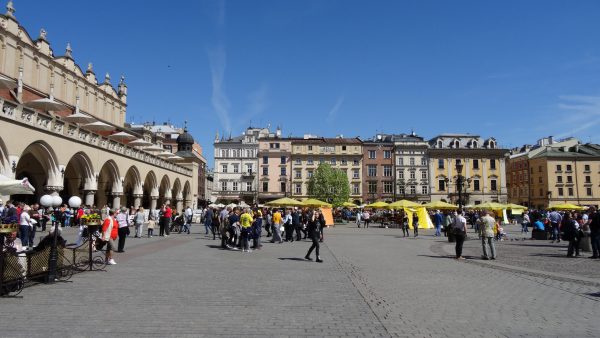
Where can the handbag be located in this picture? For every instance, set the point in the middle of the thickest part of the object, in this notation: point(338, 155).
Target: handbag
point(100, 243)
point(282, 228)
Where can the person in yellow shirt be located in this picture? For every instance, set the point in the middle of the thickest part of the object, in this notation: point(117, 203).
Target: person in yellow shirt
point(276, 227)
point(246, 224)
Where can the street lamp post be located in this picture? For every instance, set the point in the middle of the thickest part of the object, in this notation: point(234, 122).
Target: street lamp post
point(53, 201)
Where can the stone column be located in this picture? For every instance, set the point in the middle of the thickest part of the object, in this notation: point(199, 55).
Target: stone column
point(89, 197)
point(137, 200)
point(116, 200)
point(179, 204)
point(153, 200)
point(53, 190)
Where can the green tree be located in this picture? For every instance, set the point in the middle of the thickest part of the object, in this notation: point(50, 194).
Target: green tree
point(329, 185)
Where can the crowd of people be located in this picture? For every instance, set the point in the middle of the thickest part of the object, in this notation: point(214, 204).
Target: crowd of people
point(237, 227)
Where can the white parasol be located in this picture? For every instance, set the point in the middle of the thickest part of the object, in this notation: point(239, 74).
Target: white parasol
point(121, 136)
point(15, 187)
point(99, 126)
point(46, 104)
point(7, 83)
point(79, 118)
point(174, 158)
point(139, 143)
point(164, 154)
point(153, 148)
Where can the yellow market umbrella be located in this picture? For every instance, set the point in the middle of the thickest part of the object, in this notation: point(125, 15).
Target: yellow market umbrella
point(315, 203)
point(284, 202)
point(349, 205)
point(513, 206)
point(491, 206)
point(440, 205)
point(567, 206)
point(378, 205)
point(402, 204)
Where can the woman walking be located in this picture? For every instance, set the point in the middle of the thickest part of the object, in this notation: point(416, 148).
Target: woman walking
point(139, 220)
point(109, 235)
point(315, 219)
point(405, 232)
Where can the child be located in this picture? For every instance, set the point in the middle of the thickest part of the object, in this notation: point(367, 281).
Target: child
point(151, 224)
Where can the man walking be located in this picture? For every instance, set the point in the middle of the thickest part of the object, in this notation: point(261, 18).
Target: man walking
point(486, 232)
point(296, 225)
point(208, 219)
point(555, 220)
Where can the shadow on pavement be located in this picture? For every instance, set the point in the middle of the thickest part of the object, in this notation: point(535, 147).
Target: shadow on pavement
point(293, 259)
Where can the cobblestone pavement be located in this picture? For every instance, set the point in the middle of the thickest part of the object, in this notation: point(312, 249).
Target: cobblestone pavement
point(373, 283)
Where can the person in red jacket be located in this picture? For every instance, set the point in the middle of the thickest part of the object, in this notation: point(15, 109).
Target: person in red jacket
point(110, 232)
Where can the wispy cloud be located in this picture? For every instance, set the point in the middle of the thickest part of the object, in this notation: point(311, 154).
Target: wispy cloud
point(217, 58)
point(584, 113)
point(333, 111)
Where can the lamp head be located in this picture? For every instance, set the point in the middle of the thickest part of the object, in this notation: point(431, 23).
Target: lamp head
point(56, 201)
point(459, 167)
point(46, 201)
point(75, 202)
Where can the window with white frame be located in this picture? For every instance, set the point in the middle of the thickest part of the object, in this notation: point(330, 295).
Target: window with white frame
point(424, 190)
point(387, 187)
point(224, 168)
point(236, 168)
point(423, 175)
point(235, 186)
point(387, 154)
point(223, 185)
point(387, 170)
point(298, 189)
point(355, 188)
point(355, 173)
point(372, 154)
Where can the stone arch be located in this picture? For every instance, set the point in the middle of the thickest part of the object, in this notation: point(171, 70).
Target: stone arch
point(177, 197)
point(132, 187)
point(5, 166)
point(150, 190)
point(164, 190)
point(39, 164)
point(187, 195)
point(78, 176)
point(109, 184)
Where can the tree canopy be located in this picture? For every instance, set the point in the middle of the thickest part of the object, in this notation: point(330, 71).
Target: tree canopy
point(329, 185)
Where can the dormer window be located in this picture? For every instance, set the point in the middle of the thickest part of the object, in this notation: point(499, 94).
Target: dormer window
point(492, 144)
point(455, 144)
point(440, 144)
point(474, 144)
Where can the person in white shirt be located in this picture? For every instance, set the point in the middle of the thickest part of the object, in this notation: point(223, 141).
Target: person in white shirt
point(460, 233)
point(358, 217)
point(25, 227)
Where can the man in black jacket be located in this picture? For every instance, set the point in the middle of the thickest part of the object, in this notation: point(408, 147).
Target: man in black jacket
point(296, 224)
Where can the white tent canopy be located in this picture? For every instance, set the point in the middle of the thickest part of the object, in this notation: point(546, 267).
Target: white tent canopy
point(15, 187)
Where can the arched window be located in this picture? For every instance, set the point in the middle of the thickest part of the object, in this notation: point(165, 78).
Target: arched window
point(440, 144)
point(456, 144)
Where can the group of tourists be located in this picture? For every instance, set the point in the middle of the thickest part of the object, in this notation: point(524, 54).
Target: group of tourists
point(236, 227)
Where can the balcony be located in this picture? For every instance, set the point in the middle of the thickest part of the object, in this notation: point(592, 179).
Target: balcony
point(248, 175)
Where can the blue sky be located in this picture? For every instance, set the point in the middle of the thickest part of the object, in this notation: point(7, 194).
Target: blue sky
point(516, 70)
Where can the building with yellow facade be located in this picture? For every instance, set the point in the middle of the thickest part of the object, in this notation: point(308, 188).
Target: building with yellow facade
point(555, 173)
point(342, 153)
point(483, 168)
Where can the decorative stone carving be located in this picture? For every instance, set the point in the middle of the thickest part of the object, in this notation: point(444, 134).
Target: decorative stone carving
point(43, 34)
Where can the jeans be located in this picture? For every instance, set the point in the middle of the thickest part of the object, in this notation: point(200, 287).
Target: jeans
point(276, 233)
point(438, 229)
point(573, 246)
point(555, 232)
point(206, 227)
point(460, 240)
point(485, 242)
point(524, 227)
point(416, 230)
point(122, 237)
point(24, 235)
point(185, 228)
point(405, 231)
point(315, 244)
point(595, 239)
point(245, 235)
point(256, 240)
point(31, 235)
point(139, 228)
